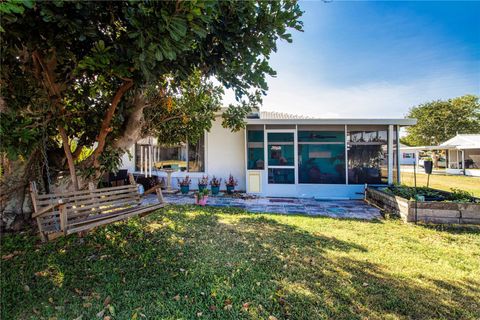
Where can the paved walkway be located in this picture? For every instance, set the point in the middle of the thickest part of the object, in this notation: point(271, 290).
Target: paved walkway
point(332, 208)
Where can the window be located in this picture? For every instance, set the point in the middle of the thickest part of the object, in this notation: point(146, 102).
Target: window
point(281, 176)
point(281, 157)
point(281, 149)
point(196, 156)
point(321, 157)
point(367, 154)
point(255, 150)
point(183, 157)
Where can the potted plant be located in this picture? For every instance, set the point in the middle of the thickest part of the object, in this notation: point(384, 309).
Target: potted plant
point(230, 183)
point(201, 197)
point(184, 184)
point(215, 185)
point(202, 183)
point(428, 165)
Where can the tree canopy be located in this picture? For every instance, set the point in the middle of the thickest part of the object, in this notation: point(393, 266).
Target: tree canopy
point(101, 75)
point(441, 120)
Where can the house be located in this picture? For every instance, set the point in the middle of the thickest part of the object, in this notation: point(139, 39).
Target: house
point(463, 154)
point(279, 154)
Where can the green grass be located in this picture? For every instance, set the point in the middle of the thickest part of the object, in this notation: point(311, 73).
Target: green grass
point(190, 263)
point(444, 182)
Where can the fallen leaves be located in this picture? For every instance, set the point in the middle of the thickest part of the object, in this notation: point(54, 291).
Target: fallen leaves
point(107, 301)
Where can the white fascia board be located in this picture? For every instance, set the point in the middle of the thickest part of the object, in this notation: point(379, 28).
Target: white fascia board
point(339, 121)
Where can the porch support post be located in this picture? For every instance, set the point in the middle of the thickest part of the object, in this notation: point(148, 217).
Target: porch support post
point(141, 159)
point(398, 155)
point(346, 155)
point(245, 148)
point(463, 161)
point(390, 154)
point(295, 153)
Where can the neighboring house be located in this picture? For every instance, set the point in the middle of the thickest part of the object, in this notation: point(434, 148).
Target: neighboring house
point(284, 155)
point(407, 156)
point(463, 154)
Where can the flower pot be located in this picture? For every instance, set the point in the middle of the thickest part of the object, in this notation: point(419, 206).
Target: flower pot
point(428, 166)
point(230, 189)
point(202, 187)
point(202, 201)
point(184, 189)
point(215, 189)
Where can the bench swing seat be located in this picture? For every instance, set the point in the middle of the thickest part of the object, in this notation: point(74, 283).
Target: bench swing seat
point(70, 212)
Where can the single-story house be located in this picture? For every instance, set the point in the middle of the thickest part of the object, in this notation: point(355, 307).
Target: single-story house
point(283, 155)
point(463, 154)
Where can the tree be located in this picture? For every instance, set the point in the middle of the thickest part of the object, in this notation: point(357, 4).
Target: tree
point(441, 120)
point(98, 75)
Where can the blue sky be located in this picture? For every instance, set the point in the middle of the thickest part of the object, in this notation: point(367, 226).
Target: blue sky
point(376, 59)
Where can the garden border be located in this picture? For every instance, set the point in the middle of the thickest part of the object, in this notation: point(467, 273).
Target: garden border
point(427, 211)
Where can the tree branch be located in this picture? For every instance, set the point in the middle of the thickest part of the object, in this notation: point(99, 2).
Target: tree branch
point(107, 119)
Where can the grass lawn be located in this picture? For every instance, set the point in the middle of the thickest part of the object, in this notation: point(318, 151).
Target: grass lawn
point(444, 182)
point(191, 263)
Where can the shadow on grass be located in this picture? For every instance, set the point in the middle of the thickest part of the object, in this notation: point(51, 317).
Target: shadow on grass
point(452, 228)
point(187, 263)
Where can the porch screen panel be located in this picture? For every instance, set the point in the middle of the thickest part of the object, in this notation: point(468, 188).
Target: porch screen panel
point(281, 149)
point(281, 176)
point(321, 157)
point(255, 150)
point(367, 154)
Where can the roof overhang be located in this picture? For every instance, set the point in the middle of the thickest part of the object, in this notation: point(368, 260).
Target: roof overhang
point(335, 121)
point(420, 148)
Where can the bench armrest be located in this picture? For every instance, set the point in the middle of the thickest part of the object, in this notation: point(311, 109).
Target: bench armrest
point(47, 208)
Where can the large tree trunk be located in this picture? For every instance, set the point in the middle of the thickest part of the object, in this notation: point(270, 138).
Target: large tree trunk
point(133, 128)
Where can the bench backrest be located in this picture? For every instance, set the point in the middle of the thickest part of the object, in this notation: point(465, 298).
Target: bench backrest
point(84, 203)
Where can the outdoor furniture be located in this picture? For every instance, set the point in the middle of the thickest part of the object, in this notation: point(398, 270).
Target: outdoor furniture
point(75, 211)
point(114, 179)
point(169, 180)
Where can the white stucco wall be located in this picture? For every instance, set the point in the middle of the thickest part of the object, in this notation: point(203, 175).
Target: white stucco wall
point(128, 160)
point(224, 154)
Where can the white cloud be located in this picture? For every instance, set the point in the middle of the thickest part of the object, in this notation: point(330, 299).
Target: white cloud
point(370, 100)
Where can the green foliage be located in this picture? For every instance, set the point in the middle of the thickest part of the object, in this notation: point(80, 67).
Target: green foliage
point(429, 194)
point(459, 195)
point(441, 120)
point(168, 49)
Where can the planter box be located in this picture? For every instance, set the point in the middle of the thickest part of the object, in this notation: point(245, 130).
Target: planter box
point(433, 212)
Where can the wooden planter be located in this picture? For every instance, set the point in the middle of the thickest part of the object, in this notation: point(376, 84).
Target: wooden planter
point(428, 211)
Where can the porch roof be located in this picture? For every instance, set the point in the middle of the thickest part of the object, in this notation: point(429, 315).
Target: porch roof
point(333, 121)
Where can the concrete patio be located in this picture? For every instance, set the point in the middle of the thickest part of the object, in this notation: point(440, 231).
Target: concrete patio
point(356, 209)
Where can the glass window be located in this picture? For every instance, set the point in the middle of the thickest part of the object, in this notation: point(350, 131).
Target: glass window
point(281, 149)
point(281, 176)
point(255, 151)
point(173, 157)
point(321, 136)
point(367, 155)
point(396, 177)
point(196, 156)
point(321, 157)
point(183, 157)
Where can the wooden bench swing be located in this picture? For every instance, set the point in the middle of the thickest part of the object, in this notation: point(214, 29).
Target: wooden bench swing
point(70, 212)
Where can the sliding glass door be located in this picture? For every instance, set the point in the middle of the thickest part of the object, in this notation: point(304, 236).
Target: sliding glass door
point(281, 156)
